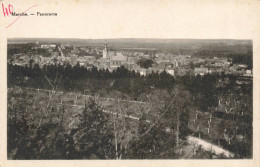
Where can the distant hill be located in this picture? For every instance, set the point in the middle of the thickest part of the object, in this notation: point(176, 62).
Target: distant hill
point(176, 46)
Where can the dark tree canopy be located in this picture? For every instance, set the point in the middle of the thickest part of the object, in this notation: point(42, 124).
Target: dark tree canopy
point(145, 63)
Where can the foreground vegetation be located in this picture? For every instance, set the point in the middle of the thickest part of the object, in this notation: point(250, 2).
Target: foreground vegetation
point(44, 126)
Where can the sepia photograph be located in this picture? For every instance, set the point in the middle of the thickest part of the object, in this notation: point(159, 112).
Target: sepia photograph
point(129, 83)
point(129, 99)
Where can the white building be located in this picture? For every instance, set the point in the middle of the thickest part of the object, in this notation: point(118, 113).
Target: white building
point(170, 71)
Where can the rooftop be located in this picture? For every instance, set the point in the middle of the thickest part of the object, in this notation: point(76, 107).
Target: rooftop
point(119, 57)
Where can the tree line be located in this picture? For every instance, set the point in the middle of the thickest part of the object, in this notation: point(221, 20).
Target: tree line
point(205, 90)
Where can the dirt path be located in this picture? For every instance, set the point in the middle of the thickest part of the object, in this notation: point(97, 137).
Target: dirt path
point(209, 146)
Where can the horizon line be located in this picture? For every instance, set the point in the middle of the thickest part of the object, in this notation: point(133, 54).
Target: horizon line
point(129, 38)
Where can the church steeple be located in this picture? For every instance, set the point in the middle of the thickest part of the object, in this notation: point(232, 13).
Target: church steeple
point(105, 50)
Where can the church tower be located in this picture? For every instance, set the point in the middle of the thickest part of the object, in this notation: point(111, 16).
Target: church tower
point(105, 50)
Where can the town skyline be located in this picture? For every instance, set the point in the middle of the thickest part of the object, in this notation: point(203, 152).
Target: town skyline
point(141, 55)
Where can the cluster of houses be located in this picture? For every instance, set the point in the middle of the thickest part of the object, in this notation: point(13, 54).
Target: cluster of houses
point(111, 59)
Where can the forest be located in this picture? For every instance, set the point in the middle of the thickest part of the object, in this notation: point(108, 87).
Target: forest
point(98, 135)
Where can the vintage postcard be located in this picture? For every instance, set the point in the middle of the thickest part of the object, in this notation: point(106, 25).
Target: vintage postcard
point(129, 83)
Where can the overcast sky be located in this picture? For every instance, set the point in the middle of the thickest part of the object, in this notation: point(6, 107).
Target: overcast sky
point(134, 19)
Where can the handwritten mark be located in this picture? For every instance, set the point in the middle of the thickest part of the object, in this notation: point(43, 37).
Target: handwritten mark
point(7, 11)
point(20, 16)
